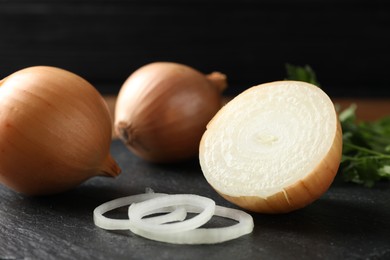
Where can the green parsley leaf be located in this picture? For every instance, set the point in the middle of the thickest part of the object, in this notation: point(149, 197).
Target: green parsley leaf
point(366, 156)
point(302, 73)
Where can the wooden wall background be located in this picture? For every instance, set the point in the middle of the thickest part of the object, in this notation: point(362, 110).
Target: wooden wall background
point(346, 42)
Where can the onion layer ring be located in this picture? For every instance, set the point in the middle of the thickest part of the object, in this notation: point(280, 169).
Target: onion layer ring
point(159, 228)
point(119, 224)
point(205, 235)
point(138, 210)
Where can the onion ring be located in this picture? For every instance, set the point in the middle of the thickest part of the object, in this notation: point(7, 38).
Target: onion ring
point(138, 210)
point(161, 229)
point(119, 224)
point(174, 213)
point(244, 226)
point(178, 214)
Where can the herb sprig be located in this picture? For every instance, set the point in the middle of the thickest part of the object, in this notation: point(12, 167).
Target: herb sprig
point(366, 145)
point(302, 73)
point(366, 149)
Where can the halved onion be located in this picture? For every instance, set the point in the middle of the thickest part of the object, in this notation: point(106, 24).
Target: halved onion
point(274, 148)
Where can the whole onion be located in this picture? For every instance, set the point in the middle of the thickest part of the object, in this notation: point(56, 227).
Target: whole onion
point(55, 131)
point(163, 108)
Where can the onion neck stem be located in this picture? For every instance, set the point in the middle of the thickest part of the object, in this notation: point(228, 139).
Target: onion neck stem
point(218, 80)
point(110, 167)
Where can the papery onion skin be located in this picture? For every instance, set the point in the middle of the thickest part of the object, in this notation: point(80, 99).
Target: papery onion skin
point(299, 194)
point(55, 131)
point(163, 108)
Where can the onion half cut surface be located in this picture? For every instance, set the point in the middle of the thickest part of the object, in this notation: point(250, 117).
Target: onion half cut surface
point(274, 148)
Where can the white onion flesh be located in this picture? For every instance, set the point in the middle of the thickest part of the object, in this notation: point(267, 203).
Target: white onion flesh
point(178, 214)
point(138, 210)
point(118, 224)
point(274, 148)
point(205, 235)
point(268, 138)
point(161, 228)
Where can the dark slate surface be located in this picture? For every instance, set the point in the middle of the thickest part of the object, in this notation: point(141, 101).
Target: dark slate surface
point(348, 222)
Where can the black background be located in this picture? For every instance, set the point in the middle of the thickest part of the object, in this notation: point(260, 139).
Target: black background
point(346, 42)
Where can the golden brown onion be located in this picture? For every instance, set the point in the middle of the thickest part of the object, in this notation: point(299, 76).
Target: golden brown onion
point(274, 148)
point(55, 131)
point(163, 108)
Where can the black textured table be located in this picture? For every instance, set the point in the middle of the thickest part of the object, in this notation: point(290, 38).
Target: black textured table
point(348, 222)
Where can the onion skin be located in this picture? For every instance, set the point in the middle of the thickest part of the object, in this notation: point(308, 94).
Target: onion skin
point(302, 193)
point(163, 108)
point(55, 131)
